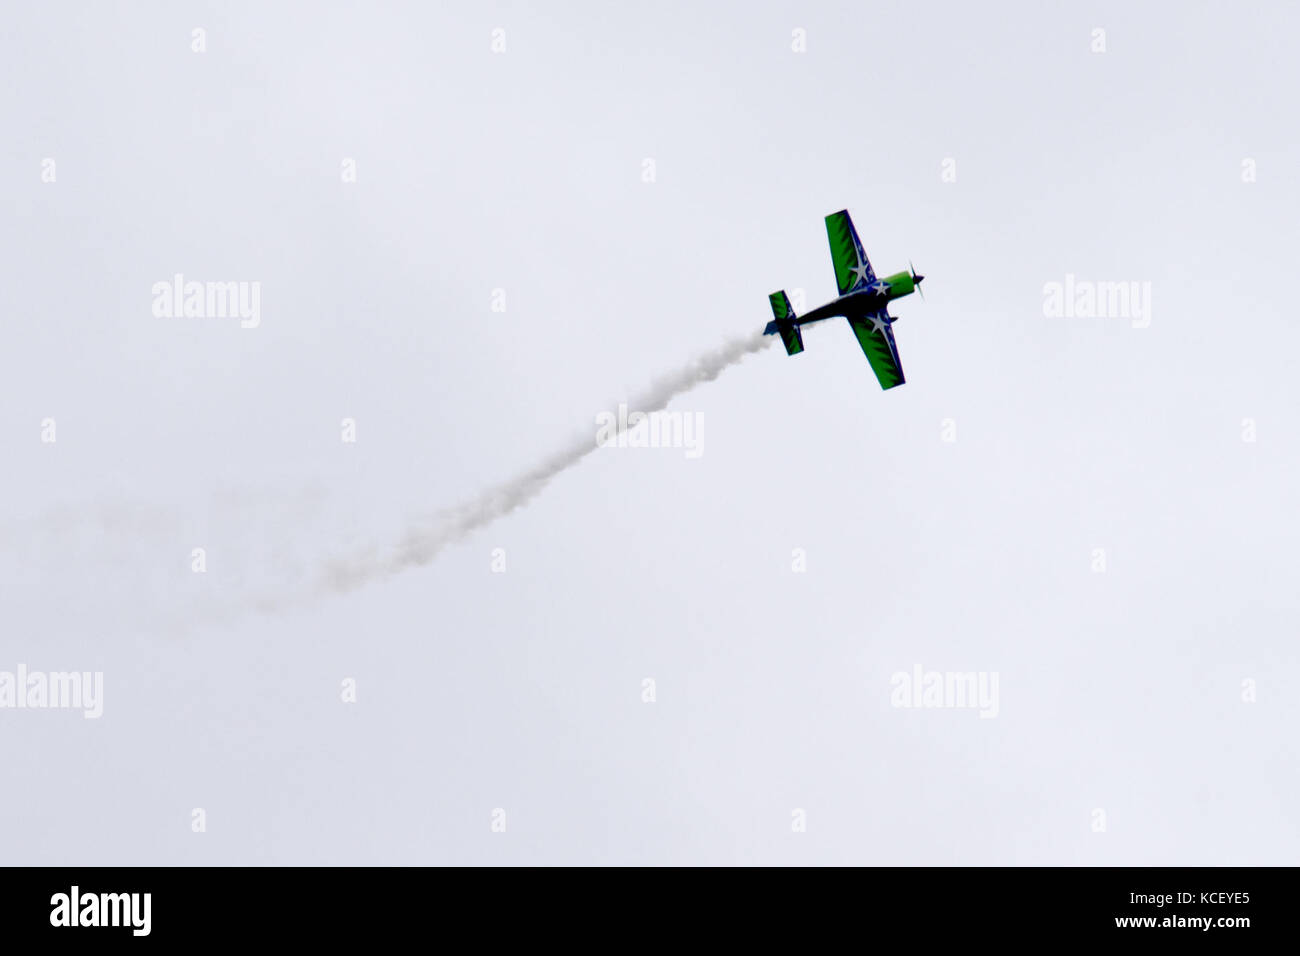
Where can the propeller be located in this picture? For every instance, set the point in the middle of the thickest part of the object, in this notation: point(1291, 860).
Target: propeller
point(916, 279)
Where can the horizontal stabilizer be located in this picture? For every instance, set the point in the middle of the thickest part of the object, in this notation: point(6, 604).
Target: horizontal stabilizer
point(781, 309)
point(791, 338)
point(783, 323)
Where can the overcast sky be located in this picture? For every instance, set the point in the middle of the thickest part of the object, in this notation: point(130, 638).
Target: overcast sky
point(1099, 511)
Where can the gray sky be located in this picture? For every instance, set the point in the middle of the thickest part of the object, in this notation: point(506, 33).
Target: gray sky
point(1119, 691)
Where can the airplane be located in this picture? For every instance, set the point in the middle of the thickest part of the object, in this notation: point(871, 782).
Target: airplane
point(863, 300)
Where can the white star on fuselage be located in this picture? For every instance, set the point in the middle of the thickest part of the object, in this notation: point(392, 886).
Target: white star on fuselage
point(880, 285)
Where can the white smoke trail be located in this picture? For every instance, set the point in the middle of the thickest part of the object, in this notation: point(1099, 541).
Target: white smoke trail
point(422, 543)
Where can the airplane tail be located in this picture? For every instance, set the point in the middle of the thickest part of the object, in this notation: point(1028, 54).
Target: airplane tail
point(783, 323)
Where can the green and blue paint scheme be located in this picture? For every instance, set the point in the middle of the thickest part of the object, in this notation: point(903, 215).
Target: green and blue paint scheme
point(863, 300)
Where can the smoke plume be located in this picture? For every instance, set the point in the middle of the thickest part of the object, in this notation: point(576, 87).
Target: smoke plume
point(428, 536)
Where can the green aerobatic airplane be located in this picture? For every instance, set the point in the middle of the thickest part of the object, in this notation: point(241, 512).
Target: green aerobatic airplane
point(864, 301)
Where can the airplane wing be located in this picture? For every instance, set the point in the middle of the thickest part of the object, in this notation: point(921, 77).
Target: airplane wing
point(877, 340)
point(852, 267)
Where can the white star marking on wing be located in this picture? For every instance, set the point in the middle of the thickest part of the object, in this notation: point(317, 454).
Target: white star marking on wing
point(862, 270)
point(878, 324)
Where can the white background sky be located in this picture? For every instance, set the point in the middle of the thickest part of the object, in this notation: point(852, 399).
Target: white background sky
point(522, 171)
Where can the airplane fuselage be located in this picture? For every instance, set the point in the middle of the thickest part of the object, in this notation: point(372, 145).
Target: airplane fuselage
point(864, 301)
